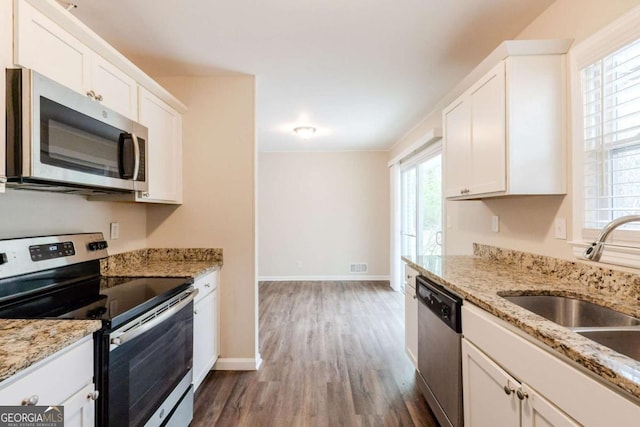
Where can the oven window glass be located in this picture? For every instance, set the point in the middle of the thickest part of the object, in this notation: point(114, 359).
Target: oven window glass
point(72, 140)
point(144, 371)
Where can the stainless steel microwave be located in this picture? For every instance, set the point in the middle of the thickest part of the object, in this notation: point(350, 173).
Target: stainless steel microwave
point(59, 140)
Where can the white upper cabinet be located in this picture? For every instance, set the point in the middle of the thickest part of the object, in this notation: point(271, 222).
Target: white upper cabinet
point(165, 149)
point(506, 134)
point(113, 88)
point(42, 45)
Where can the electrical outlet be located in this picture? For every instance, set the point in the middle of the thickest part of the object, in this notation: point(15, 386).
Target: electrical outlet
point(495, 223)
point(560, 228)
point(115, 230)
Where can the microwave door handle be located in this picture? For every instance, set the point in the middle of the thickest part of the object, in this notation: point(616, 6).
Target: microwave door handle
point(122, 166)
point(136, 153)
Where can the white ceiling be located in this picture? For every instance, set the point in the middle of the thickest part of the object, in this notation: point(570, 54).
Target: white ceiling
point(362, 71)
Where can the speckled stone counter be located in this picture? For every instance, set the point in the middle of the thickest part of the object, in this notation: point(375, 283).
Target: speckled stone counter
point(492, 272)
point(25, 342)
point(165, 262)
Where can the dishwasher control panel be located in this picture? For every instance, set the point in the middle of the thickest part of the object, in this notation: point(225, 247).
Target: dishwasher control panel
point(443, 303)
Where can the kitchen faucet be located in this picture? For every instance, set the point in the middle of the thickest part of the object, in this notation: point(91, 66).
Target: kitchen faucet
point(594, 252)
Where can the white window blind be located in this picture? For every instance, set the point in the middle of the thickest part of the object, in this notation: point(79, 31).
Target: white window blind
point(611, 112)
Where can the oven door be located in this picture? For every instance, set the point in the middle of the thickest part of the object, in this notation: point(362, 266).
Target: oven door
point(71, 138)
point(148, 359)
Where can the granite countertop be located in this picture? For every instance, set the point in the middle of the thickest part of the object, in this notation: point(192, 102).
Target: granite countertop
point(25, 342)
point(492, 272)
point(166, 262)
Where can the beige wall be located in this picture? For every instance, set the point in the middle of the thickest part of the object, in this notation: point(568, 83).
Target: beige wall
point(218, 209)
point(526, 223)
point(320, 211)
point(30, 213)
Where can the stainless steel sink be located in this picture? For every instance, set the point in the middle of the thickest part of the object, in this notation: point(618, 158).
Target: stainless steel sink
point(572, 312)
point(626, 342)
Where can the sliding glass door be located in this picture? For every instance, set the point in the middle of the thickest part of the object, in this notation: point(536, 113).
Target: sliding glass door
point(421, 205)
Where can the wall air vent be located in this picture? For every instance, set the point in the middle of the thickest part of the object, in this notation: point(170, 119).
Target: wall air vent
point(358, 267)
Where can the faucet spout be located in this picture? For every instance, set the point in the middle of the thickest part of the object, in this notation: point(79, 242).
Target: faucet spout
point(594, 252)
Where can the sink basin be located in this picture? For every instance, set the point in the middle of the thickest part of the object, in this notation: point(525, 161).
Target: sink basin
point(572, 312)
point(626, 342)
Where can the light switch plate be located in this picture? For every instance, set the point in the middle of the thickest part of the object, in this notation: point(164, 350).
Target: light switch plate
point(495, 223)
point(560, 228)
point(115, 230)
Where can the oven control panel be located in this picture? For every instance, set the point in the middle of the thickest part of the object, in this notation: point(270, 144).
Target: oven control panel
point(51, 250)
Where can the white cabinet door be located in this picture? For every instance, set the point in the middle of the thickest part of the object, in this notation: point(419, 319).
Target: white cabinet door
point(164, 149)
point(539, 412)
point(411, 324)
point(457, 149)
point(489, 396)
point(113, 88)
point(40, 44)
point(79, 409)
point(204, 336)
point(488, 125)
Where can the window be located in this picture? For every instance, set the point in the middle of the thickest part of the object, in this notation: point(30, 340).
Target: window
point(611, 135)
point(421, 204)
point(605, 75)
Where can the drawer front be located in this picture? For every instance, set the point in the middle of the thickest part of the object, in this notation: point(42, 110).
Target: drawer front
point(206, 284)
point(54, 379)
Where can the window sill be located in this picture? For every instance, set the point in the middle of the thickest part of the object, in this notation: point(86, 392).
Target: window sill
point(625, 256)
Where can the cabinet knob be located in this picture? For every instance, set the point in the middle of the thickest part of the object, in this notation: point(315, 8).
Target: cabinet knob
point(414, 296)
point(99, 98)
point(30, 401)
point(508, 389)
point(145, 194)
point(91, 94)
point(206, 285)
point(522, 394)
point(93, 395)
point(195, 312)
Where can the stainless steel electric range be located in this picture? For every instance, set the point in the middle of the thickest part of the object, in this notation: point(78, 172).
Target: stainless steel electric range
point(144, 351)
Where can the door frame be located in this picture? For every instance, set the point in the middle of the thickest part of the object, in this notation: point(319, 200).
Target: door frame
point(420, 152)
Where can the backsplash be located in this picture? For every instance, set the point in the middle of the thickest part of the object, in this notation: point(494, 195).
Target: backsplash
point(143, 256)
point(626, 285)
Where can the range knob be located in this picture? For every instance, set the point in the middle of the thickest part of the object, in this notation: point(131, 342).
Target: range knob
point(96, 246)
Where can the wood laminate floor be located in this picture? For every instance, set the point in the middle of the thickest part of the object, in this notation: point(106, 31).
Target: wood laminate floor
point(333, 355)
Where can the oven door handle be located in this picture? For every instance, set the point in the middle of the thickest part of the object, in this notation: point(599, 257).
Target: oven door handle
point(151, 323)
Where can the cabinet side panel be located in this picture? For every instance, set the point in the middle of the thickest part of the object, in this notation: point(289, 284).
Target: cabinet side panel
point(536, 123)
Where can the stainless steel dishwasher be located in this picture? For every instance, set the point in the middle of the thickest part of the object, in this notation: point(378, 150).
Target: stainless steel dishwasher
point(439, 353)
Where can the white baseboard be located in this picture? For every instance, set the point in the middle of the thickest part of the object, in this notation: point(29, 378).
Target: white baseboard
point(359, 277)
point(238, 364)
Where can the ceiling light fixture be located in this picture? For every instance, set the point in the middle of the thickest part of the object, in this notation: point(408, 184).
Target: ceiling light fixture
point(305, 132)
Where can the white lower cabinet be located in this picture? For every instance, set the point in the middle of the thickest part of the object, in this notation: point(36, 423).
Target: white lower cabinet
point(411, 315)
point(205, 327)
point(80, 409)
point(492, 397)
point(62, 379)
point(509, 380)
